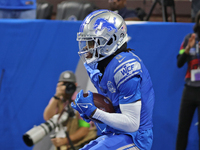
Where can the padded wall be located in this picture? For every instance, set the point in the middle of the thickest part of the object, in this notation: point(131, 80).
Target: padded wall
point(34, 53)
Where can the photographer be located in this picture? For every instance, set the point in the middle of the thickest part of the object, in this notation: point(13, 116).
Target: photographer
point(190, 102)
point(80, 132)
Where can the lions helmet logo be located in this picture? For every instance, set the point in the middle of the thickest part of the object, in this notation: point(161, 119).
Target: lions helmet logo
point(102, 23)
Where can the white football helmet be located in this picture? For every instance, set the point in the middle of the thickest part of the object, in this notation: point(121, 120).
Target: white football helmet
point(100, 35)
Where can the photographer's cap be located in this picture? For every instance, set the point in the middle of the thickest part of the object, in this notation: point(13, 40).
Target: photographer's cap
point(67, 76)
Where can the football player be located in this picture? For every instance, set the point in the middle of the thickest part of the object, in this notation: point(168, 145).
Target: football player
point(119, 74)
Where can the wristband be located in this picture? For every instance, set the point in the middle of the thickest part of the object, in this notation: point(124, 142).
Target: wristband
point(56, 97)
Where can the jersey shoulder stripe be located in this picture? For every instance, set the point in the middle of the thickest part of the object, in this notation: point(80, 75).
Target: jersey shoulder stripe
point(127, 69)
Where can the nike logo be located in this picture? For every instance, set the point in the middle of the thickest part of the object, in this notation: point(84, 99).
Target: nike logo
point(84, 106)
point(125, 97)
point(121, 60)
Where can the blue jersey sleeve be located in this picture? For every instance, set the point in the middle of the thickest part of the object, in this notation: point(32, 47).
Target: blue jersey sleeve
point(130, 91)
point(126, 70)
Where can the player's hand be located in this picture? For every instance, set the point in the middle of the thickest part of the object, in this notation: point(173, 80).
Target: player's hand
point(85, 118)
point(84, 105)
point(57, 142)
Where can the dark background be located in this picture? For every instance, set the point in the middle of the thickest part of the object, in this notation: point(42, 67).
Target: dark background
point(183, 8)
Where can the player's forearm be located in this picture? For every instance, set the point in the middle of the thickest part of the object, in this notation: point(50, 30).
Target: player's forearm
point(128, 120)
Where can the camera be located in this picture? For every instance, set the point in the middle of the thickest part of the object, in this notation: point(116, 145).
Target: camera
point(70, 87)
point(37, 133)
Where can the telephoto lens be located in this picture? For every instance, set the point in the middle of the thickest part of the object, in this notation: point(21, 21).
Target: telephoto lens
point(37, 133)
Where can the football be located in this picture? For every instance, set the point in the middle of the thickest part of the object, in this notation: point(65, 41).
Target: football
point(102, 103)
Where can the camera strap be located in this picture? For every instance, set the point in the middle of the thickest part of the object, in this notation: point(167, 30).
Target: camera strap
point(70, 142)
point(71, 114)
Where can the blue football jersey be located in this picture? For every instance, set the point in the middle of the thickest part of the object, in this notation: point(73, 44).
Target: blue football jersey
point(117, 78)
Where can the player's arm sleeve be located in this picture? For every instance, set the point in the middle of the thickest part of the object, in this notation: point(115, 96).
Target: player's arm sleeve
point(128, 120)
point(130, 105)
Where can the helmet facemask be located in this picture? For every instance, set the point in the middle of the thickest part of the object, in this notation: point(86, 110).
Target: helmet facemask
point(88, 50)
